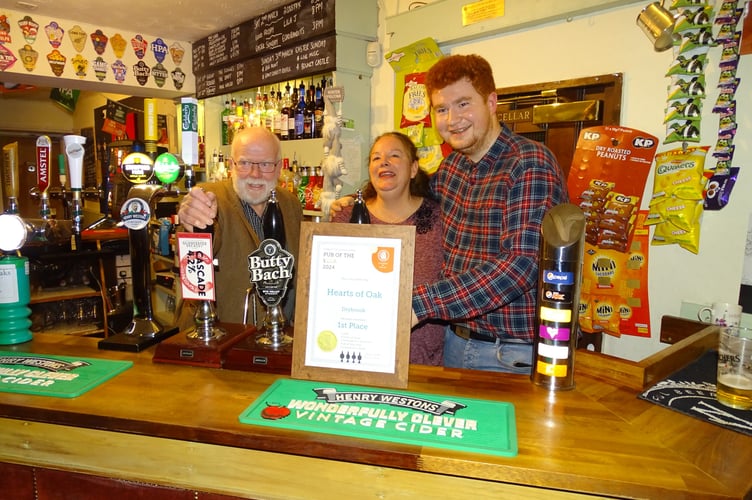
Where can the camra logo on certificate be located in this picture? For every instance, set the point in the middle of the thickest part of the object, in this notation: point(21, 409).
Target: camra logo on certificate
point(356, 310)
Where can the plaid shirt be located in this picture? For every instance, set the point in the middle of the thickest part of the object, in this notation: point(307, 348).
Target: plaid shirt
point(492, 213)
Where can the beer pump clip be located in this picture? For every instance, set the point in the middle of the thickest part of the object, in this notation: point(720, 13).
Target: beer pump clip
point(271, 269)
point(271, 266)
point(44, 148)
point(10, 180)
point(197, 282)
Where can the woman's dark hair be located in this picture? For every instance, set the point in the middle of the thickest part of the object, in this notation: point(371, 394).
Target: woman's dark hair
point(419, 184)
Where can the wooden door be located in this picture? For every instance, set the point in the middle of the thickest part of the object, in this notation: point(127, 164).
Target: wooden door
point(556, 112)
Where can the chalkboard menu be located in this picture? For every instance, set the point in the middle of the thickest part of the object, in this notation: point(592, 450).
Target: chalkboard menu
point(303, 59)
point(284, 43)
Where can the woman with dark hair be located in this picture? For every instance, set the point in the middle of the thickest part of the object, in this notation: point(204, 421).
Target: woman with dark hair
point(397, 192)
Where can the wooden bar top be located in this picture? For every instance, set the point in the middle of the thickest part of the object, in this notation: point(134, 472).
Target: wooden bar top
point(597, 439)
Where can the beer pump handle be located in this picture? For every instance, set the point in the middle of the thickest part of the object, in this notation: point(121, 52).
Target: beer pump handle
point(360, 211)
point(274, 224)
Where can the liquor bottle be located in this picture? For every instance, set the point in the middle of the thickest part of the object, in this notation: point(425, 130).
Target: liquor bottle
point(277, 121)
point(318, 115)
point(308, 117)
point(290, 114)
point(284, 114)
point(249, 112)
point(295, 174)
point(211, 171)
point(221, 171)
point(360, 211)
point(273, 223)
point(300, 113)
point(225, 116)
point(303, 185)
point(231, 121)
point(257, 119)
point(238, 120)
point(286, 176)
point(270, 109)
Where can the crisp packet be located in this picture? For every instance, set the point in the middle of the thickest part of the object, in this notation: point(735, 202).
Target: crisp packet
point(728, 13)
point(683, 131)
point(689, 19)
point(682, 213)
point(726, 154)
point(679, 172)
point(683, 109)
point(696, 41)
point(416, 107)
point(678, 4)
point(671, 234)
point(683, 87)
point(693, 65)
point(693, 18)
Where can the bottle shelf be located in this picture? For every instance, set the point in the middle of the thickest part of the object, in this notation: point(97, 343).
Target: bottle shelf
point(63, 293)
point(78, 330)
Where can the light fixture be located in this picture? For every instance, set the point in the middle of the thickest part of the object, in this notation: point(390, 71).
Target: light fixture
point(658, 24)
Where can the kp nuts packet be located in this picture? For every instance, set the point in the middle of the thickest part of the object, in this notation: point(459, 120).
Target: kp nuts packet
point(607, 180)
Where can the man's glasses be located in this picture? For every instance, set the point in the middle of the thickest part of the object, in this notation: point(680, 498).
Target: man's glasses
point(244, 166)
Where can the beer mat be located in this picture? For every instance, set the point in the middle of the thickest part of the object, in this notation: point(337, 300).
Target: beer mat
point(430, 420)
point(691, 391)
point(58, 376)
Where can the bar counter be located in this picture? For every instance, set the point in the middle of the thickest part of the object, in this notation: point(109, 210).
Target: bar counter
point(177, 426)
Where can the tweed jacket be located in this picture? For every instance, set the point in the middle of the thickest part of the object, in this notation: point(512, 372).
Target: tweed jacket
point(234, 239)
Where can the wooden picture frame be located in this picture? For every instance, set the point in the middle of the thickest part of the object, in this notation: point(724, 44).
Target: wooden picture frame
point(333, 276)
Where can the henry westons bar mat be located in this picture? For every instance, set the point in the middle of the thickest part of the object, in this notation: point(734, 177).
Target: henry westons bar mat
point(691, 391)
point(453, 423)
point(50, 375)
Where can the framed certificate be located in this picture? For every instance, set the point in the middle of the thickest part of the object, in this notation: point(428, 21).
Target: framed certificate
point(353, 305)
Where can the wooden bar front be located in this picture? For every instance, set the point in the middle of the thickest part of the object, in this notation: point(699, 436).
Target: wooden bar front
point(177, 426)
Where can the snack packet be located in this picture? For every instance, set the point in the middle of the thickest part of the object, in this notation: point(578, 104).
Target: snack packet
point(679, 172)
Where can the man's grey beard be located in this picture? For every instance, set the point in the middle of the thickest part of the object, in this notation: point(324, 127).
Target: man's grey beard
point(239, 185)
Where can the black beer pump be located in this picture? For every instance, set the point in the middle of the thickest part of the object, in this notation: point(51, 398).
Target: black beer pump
point(143, 330)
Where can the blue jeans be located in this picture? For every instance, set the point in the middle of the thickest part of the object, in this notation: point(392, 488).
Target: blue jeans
point(480, 355)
